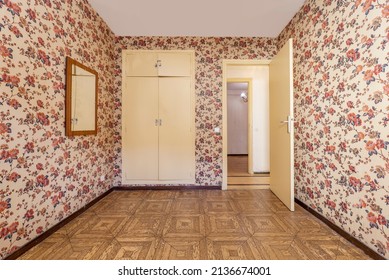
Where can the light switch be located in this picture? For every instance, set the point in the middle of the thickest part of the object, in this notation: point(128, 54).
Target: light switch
point(217, 130)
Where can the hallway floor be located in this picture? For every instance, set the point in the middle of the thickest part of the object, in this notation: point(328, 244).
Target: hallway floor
point(195, 224)
point(239, 178)
point(238, 166)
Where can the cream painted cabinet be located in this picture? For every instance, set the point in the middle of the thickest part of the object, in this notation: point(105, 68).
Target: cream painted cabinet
point(158, 139)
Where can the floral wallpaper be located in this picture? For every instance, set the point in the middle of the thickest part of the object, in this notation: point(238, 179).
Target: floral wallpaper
point(44, 175)
point(341, 88)
point(209, 53)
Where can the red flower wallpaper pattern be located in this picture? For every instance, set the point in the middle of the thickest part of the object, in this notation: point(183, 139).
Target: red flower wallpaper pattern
point(341, 84)
point(45, 176)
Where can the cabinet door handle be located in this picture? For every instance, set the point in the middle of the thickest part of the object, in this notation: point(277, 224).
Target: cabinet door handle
point(158, 64)
point(156, 122)
point(160, 122)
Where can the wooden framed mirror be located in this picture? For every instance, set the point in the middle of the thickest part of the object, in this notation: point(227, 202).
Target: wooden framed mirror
point(81, 99)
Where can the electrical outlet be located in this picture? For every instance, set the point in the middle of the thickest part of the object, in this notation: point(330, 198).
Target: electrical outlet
point(102, 177)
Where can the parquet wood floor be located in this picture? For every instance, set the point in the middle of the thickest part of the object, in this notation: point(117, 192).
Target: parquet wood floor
point(194, 224)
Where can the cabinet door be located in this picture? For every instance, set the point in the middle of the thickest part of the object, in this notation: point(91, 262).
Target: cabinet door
point(174, 64)
point(140, 131)
point(176, 145)
point(141, 64)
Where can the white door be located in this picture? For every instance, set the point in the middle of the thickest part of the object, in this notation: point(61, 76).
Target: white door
point(281, 125)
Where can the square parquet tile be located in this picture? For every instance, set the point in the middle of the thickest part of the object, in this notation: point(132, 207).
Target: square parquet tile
point(279, 248)
point(93, 227)
point(149, 207)
point(132, 248)
point(90, 248)
point(184, 226)
point(232, 248)
point(114, 223)
point(219, 207)
point(189, 206)
point(182, 249)
point(251, 206)
point(267, 225)
point(225, 225)
point(143, 226)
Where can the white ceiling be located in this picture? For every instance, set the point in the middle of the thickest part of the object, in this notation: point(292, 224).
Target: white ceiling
point(214, 18)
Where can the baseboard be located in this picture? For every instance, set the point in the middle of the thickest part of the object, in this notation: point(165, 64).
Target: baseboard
point(50, 231)
point(368, 251)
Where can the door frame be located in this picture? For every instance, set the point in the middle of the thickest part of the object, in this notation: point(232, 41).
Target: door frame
point(249, 82)
point(226, 63)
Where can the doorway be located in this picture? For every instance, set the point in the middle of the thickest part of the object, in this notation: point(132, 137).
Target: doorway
point(246, 125)
point(280, 121)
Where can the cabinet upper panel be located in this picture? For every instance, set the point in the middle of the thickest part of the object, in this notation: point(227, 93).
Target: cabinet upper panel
point(140, 64)
point(162, 64)
point(174, 64)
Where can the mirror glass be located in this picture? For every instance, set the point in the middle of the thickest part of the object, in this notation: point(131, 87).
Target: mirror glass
point(81, 99)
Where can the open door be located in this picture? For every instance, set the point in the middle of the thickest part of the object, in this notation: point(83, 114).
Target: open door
point(281, 125)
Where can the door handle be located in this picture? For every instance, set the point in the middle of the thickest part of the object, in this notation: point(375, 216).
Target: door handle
point(289, 121)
